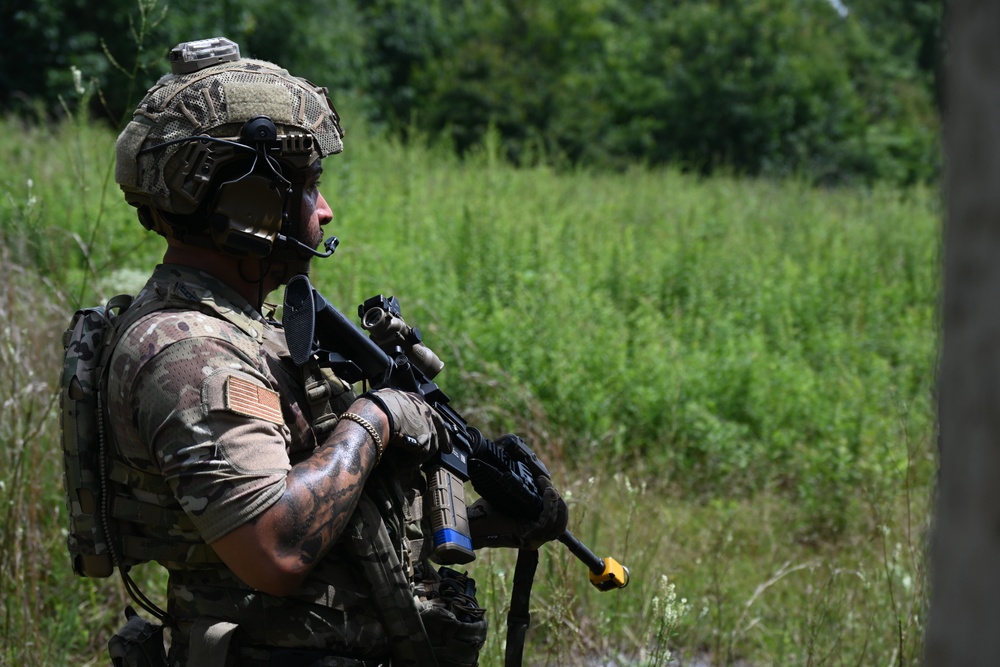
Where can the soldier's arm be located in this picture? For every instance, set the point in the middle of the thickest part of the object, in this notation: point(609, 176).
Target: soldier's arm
point(275, 550)
point(215, 427)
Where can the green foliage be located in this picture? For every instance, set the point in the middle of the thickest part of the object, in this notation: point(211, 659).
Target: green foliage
point(762, 87)
point(61, 212)
point(47, 615)
point(735, 335)
point(738, 335)
point(52, 41)
point(760, 351)
point(770, 87)
point(911, 31)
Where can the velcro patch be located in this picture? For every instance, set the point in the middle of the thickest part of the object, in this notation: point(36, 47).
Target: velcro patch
point(245, 100)
point(251, 400)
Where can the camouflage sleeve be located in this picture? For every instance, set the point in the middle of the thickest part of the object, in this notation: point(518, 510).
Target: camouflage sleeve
point(213, 422)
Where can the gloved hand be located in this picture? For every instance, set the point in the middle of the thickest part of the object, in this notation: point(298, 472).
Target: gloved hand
point(492, 528)
point(415, 429)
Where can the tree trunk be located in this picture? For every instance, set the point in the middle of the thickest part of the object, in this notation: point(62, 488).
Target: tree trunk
point(964, 625)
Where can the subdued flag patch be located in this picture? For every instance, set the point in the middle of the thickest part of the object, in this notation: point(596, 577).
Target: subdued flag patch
point(251, 400)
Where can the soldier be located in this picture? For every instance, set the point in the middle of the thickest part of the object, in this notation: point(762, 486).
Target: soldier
point(264, 488)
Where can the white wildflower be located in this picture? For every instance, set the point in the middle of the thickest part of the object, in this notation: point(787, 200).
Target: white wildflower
point(77, 79)
point(667, 613)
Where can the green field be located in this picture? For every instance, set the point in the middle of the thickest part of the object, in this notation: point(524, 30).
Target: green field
point(731, 378)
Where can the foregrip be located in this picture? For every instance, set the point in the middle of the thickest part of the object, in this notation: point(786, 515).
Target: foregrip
point(504, 482)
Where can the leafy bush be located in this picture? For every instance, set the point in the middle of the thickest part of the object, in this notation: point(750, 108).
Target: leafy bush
point(762, 87)
point(772, 87)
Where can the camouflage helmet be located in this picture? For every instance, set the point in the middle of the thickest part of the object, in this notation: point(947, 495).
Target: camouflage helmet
point(216, 110)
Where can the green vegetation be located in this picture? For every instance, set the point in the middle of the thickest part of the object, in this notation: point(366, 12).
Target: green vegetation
point(762, 87)
point(731, 377)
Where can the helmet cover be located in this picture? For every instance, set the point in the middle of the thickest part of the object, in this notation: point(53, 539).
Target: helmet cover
point(216, 100)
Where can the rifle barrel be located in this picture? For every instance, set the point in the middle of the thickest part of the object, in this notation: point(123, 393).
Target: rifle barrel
point(605, 573)
point(580, 550)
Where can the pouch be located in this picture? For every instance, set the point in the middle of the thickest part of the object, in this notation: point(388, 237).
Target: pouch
point(138, 644)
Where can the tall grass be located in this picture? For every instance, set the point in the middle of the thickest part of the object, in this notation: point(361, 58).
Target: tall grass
point(732, 334)
point(732, 379)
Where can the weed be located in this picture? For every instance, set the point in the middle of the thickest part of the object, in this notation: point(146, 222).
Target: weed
point(668, 611)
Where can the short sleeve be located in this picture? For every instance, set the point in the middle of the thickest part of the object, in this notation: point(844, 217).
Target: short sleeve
point(215, 428)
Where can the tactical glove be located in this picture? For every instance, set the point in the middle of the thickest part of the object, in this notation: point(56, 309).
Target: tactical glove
point(415, 430)
point(492, 528)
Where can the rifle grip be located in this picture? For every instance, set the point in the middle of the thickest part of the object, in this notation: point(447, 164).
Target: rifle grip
point(449, 518)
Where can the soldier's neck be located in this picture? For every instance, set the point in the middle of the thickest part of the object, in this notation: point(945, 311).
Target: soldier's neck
point(243, 275)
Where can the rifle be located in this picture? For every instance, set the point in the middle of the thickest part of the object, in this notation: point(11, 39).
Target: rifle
point(393, 355)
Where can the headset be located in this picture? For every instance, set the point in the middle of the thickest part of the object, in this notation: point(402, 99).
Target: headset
point(255, 207)
point(247, 213)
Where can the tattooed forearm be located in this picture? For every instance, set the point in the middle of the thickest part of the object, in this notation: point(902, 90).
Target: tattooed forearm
point(323, 490)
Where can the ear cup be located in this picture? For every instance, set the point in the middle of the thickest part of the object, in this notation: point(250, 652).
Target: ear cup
point(247, 215)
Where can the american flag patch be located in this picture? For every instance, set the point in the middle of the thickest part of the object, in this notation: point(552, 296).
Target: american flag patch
point(251, 400)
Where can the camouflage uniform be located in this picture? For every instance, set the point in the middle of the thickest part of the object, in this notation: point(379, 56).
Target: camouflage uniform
point(209, 414)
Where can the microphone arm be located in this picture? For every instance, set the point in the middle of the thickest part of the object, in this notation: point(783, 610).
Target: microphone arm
point(330, 244)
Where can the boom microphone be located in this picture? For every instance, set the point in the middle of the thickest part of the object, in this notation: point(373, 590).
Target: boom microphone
point(330, 244)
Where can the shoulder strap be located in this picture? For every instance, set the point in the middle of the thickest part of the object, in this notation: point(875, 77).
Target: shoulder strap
point(318, 394)
point(370, 543)
point(115, 310)
point(519, 616)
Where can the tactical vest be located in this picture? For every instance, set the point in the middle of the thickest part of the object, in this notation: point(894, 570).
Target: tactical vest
point(101, 490)
point(109, 525)
point(102, 508)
